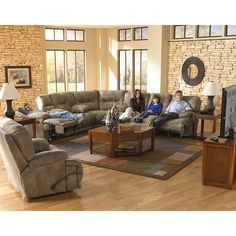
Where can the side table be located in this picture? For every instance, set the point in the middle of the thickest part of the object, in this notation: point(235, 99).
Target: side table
point(27, 121)
point(204, 117)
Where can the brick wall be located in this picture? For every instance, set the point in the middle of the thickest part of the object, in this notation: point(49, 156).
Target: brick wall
point(22, 45)
point(218, 56)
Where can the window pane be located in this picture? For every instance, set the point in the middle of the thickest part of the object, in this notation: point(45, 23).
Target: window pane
point(59, 34)
point(80, 63)
point(79, 35)
point(137, 65)
point(189, 31)
point(71, 35)
point(71, 79)
point(137, 34)
point(145, 33)
point(216, 30)
point(122, 69)
point(60, 68)
point(179, 32)
point(49, 34)
point(203, 31)
point(144, 71)
point(121, 35)
point(231, 30)
point(128, 76)
point(50, 60)
point(128, 34)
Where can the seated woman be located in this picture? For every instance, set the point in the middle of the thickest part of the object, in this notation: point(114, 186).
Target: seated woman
point(154, 108)
point(137, 106)
point(27, 109)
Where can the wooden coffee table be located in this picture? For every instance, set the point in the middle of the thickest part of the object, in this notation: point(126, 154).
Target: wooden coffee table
point(112, 143)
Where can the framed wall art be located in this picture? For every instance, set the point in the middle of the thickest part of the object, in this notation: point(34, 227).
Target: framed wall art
point(20, 76)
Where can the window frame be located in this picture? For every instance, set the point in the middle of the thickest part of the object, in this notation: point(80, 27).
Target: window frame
point(209, 33)
point(185, 26)
point(226, 32)
point(57, 40)
point(125, 29)
point(82, 30)
point(143, 27)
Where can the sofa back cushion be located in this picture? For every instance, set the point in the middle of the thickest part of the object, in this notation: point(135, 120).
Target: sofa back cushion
point(165, 99)
point(108, 97)
point(44, 102)
point(85, 101)
point(194, 101)
point(63, 100)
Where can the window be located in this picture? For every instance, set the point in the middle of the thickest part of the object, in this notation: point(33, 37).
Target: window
point(210, 31)
point(183, 31)
point(65, 77)
point(75, 35)
point(132, 69)
point(54, 34)
point(125, 68)
point(124, 34)
point(231, 30)
point(141, 33)
point(140, 70)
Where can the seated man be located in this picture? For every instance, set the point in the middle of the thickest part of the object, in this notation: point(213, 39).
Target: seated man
point(173, 110)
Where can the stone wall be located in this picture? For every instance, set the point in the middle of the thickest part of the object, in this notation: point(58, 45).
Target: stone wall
point(218, 56)
point(22, 45)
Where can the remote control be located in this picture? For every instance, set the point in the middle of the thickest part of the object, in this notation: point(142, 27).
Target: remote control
point(214, 139)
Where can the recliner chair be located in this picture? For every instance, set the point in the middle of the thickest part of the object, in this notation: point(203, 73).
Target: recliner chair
point(34, 167)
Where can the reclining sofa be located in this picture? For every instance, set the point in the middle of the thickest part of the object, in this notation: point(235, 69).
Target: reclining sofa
point(95, 105)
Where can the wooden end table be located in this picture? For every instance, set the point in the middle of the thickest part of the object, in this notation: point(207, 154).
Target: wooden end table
point(111, 140)
point(204, 117)
point(27, 121)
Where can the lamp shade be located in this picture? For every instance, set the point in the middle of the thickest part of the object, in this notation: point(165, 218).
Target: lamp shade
point(211, 89)
point(8, 92)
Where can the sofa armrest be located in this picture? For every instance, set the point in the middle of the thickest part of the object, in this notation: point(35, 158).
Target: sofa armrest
point(186, 114)
point(39, 115)
point(48, 157)
point(40, 145)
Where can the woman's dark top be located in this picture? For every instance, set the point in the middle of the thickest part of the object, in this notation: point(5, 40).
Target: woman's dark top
point(139, 107)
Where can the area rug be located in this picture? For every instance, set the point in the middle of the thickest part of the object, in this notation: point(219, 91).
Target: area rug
point(169, 156)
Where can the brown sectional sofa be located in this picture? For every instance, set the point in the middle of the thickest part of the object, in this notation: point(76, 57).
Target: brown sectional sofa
point(95, 105)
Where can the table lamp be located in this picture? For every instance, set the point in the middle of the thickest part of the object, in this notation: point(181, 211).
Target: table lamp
point(211, 90)
point(8, 93)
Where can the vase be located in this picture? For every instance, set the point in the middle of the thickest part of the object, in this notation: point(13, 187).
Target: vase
point(109, 120)
point(115, 115)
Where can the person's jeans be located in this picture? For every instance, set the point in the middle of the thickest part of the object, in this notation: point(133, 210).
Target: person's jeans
point(145, 114)
point(63, 114)
point(163, 118)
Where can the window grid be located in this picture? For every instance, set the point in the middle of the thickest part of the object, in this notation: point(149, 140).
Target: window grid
point(142, 29)
point(54, 34)
point(126, 33)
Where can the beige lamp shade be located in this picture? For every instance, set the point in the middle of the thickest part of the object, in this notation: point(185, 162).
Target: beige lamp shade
point(211, 89)
point(8, 92)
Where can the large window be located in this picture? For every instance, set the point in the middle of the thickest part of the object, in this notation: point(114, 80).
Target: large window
point(124, 34)
point(54, 34)
point(141, 33)
point(125, 68)
point(63, 76)
point(210, 31)
point(183, 31)
point(132, 69)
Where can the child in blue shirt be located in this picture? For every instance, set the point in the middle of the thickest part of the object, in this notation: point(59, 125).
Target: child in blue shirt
point(154, 108)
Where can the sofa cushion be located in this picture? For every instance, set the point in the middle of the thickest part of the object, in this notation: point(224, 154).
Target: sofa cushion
point(108, 98)
point(44, 102)
point(60, 122)
point(165, 99)
point(79, 108)
point(99, 114)
point(194, 102)
point(86, 98)
point(63, 100)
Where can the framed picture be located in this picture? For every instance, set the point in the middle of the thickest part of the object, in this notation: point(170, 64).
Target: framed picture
point(20, 76)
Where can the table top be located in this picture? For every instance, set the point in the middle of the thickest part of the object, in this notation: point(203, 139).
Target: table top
point(131, 129)
point(208, 116)
point(26, 118)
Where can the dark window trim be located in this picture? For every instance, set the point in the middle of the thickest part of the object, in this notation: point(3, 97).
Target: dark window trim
point(141, 33)
point(59, 40)
point(209, 33)
point(226, 32)
point(75, 35)
point(125, 29)
point(185, 37)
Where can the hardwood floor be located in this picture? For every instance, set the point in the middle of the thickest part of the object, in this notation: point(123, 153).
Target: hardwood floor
point(104, 189)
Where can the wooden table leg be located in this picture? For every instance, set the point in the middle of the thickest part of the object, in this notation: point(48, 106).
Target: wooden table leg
point(214, 126)
point(152, 140)
point(90, 143)
point(140, 143)
point(202, 128)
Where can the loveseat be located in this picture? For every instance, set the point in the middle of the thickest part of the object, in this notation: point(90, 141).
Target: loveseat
point(95, 105)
